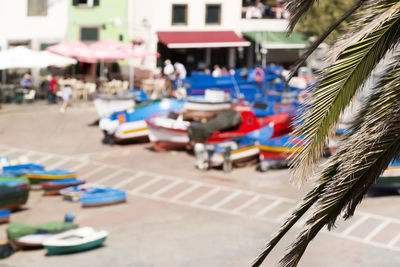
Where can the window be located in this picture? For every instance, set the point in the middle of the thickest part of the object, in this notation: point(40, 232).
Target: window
point(89, 34)
point(179, 14)
point(213, 14)
point(37, 7)
point(85, 3)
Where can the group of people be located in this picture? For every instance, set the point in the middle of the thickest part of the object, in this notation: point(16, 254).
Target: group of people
point(52, 87)
point(263, 9)
point(174, 74)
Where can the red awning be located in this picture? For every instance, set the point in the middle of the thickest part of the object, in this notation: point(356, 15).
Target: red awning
point(201, 39)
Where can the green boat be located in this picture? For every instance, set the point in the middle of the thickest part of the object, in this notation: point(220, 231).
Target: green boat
point(12, 197)
point(76, 240)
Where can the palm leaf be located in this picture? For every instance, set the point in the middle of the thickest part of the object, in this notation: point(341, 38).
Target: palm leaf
point(376, 111)
point(323, 36)
point(339, 85)
point(297, 8)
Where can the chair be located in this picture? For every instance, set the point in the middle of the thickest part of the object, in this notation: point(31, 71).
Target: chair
point(30, 96)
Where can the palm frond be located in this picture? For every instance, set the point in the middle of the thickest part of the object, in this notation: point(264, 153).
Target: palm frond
point(368, 154)
point(297, 8)
point(338, 86)
point(352, 163)
point(324, 35)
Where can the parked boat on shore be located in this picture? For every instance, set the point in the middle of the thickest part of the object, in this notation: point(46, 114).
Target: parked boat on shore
point(4, 215)
point(38, 176)
point(94, 196)
point(75, 240)
point(54, 187)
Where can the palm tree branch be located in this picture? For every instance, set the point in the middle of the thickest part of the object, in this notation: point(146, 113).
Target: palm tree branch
point(337, 88)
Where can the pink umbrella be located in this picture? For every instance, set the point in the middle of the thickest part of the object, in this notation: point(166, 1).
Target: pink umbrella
point(74, 49)
point(142, 52)
point(108, 50)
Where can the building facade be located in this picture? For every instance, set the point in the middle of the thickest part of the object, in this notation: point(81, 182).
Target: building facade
point(94, 20)
point(158, 22)
point(33, 23)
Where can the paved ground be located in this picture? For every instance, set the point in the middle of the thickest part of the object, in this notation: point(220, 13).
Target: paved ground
point(177, 215)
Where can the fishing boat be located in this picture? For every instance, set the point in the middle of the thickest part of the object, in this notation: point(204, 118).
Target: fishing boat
point(200, 108)
point(389, 180)
point(236, 152)
point(23, 236)
point(37, 176)
point(14, 181)
point(21, 169)
point(130, 125)
point(106, 105)
point(275, 152)
point(168, 132)
point(76, 240)
point(12, 197)
point(4, 215)
point(93, 196)
point(54, 187)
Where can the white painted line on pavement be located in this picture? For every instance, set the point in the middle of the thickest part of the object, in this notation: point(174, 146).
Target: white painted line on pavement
point(9, 151)
point(225, 200)
point(166, 188)
point(246, 204)
point(128, 180)
point(148, 183)
point(187, 191)
point(376, 230)
point(58, 164)
point(269, 207)
point(205, 196)
point(79, 166)
point(394, 241)
point(94, 170)
point(354, 225)
point(45, 158)
point(109, 177)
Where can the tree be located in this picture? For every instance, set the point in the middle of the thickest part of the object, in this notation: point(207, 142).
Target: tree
point(374, 137)
point(320, 16)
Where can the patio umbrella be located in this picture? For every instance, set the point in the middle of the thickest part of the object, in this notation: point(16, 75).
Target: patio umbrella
point(73, 49)
point(21, 57)
point(57, 60)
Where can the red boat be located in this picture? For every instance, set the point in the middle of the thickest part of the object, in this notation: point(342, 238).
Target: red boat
point(282, 125)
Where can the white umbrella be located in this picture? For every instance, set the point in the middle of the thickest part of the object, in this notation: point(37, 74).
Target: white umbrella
point(21, 57)
point(56, 60)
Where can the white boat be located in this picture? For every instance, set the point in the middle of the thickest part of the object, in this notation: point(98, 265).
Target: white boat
point(131, 130)
point(198, 108)
point(31, 241)
point(167, 133)
point(75, 240)
point(107, 105)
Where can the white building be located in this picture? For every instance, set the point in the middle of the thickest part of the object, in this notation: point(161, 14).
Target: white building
point(172, 28)
point(33, 23)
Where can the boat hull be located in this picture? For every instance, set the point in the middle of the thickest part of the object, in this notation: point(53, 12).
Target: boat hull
point(164, 139)
point(136, 130)
point(56, 250)
point(13, 197)
point(240, 157)
point(203, 110)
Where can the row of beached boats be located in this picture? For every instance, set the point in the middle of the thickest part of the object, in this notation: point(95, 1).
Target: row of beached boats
point(17, 179)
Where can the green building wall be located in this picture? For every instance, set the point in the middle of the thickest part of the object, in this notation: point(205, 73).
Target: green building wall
point(101, 15)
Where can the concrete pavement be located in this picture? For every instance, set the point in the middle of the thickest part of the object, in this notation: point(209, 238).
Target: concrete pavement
point(177, 215)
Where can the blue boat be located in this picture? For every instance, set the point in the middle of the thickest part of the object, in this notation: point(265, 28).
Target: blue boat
point(53, 187)
point(276, 152)
point(4, 215)
point(93, 196)
point(237, 152)
point(21, 169)
point(37, 176)
point(131, 125)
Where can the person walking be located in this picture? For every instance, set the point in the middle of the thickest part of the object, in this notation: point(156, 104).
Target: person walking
point(53, 90)
point(66, 93)
point(180, 68)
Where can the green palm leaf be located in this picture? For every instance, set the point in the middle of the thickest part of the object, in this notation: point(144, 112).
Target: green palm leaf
point(368, 149)
point(297, 8)
point(339, 85)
